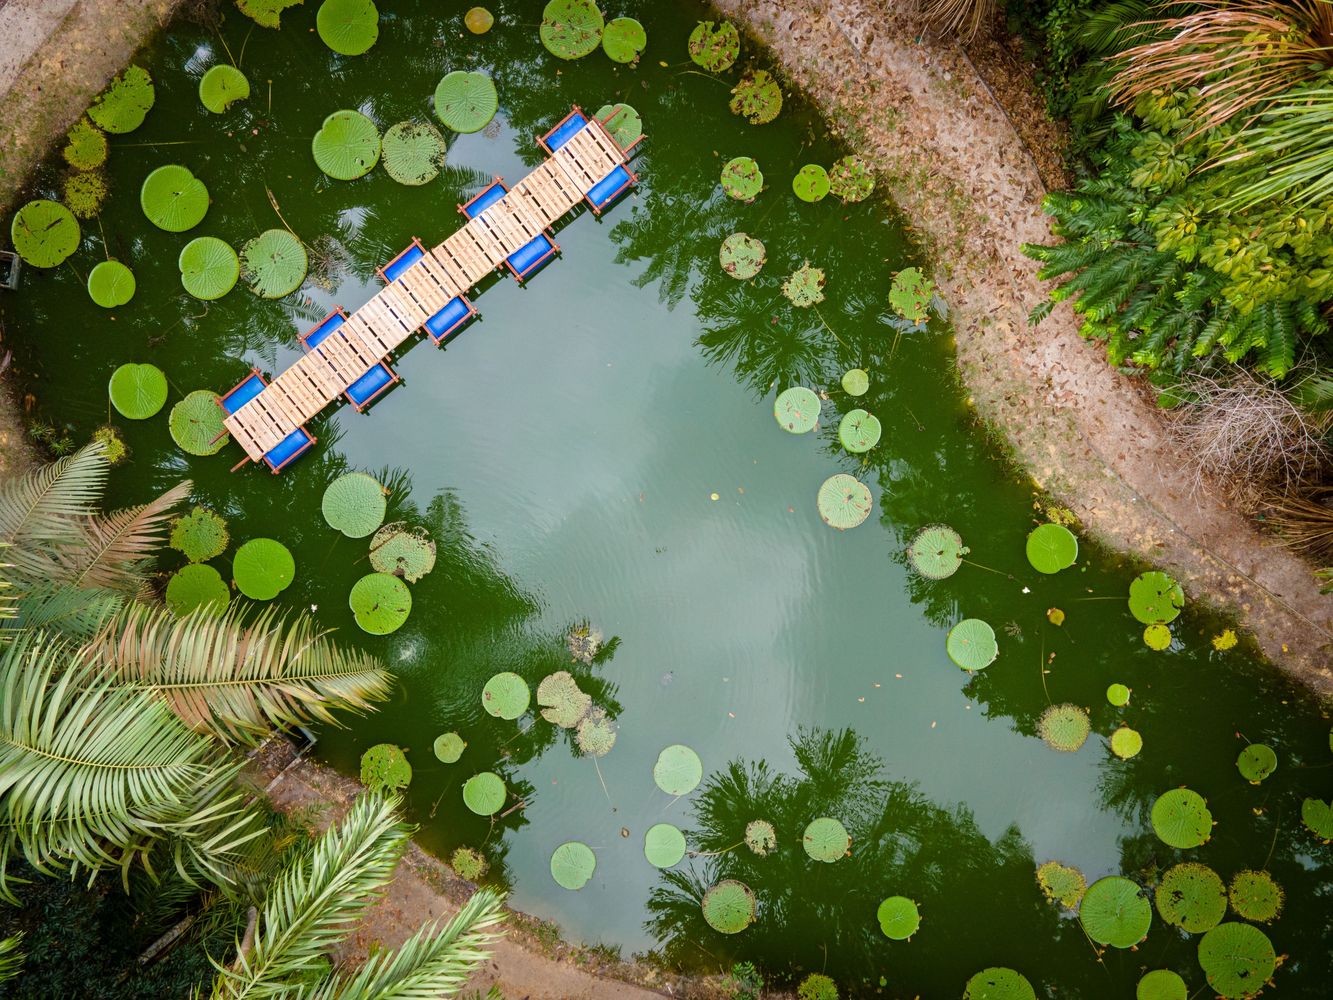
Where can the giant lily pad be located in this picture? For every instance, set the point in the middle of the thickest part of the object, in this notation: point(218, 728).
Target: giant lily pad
point(572, 865)
point(354, 503)
point(678, 770)
point(760, 837)
point(506, 696)
point(199, 535)
point(1192, 897)
point(221, 87)
point(484, 793)
point(384, 768)
point(937, 551)
point(1051, 548)
point(742, 256)
point(571, 29)
point(596, 734)
point(347, 145)
point(742, 179)
point(561, 700)
point(138, 391)
point(196, 423)
point(1161, 984)
point(466, 101)
point(197, 586)
point(859, 431)
point(173, 198)
point(111, 284)
point(850, 179)
point(1115, 912)
point(714, 46)
point(1256, 896)
point(811, 182)
point(663, 845)
point(413, 153)
point(449, 747)
point(402, 550)
point(1064, 727)
point(898, 918)
point(1181, 819)
point(1317, 815)
point(125, 103)
point(1237, 959)
point(209, 267)
point(1155, 598)
point(263, 568)
point(86, 147)
point(910, 295)
point(757, 98)
point(797, 409)
point(44, 233)
point(827, 840)
point(728, 907)
point(348, 27)
point(844, 501)
point(380, 603)
point(804, 287)
point(1126, 743)
point(623, 40)
point(999, 984)
point(971, 644)
point(1061, 883)
point(622, 122)
point(1256, 762)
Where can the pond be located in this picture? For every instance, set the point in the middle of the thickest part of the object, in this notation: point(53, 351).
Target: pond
point(597, 457)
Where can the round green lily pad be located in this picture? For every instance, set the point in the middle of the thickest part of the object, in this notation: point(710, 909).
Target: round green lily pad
point(844, 501)
point(403, 551)
point(572, 865)
point(1126, 743)
point(354, 503)
point(1161, 984)
point(1051, 548)
point(449, 748)
point(1181, 819)
point(663, 845)
point(756, 98)
point(811, 182)
point(138, 391)
point(1064, 727)
point(855, 382)
point(678, 770)
point(484, 793)
point(466, 101)
point(85, 192)
point(263, 568)
point(196, 423)
point(623, 39)
point(999, 984)
point(1118, 695)
point(561, 700)
point(760, 837)
point(348, 27)
point(347, 145)
point(1061, 883)
point(859, 431)
point(797, 409)
point(742, 179)
point(742, 256)
point(804, 287)
point(714, 46)
point(380, 603)
point(1256, 896)
point(571, 29)
point(1115, 912)
point(596, 734)
point(1237, 960)
point(622, 121)
point(1317, 815)
point(506, 696)
point(937, 551)
point(413, 153)
point(971, 644)
point(44, 233)
point(1157, 637)
point(86, 147)
point(209, 267)
point(221, 87)
point(199, 535)
point(910, 295)
point(851, 180)
point(898, 918)
point(125, 103)
point(173, 198)
point(826, 840)
point(1192, 897)
point(384, 768)
point(1256, 762)
point(728, 907)
point(197, 586)
point(478, 20)
point(110, 284)
point(1154, 597)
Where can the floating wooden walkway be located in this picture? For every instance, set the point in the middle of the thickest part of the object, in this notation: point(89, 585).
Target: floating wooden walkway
point(426, 291)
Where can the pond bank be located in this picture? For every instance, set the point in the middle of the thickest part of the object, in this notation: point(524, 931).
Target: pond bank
point(948, 156)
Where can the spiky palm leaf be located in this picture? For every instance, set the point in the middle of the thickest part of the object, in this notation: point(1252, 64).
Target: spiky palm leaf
point(76, 614)
point(115, 546)
point(11, 959)
point(41, 510)
point(1286, 154)
point(236, 677)
point(95, 774)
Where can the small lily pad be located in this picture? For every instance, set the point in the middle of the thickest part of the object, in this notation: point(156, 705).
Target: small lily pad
point(1181, 819)
point(347, 145)
point(826, 840)
point(797, 409)
point(1161, 984)
point(623, 39)
point(1157, 637)
point(173, 198)
point(413, 153)
point(1256, 762)
point(729, 906)
point(742, 179)
point(937, 551)
point(561, 700)
point(596, 734)
point(899, 918)
point(999, 984)
point(760, 837)
point(1118, 695)
point(506, 696)
point(1256, 896)
point(1061, 883)
point(209, 267)
point(199, 535)
point(714, 46)
point(971, 644)
point(1155, 598)
point(1238, 960)
point(663, 845)
point(466, 101)
point(197, 586)
point(484, 793)
point(1051, 548)
point(196, 423)
point(844, 501)
point(742, 256)
point(478, 20)
point(125, 103)
point(354, 503)
point(851, 180)
point(756, 97)
point(380, 603)
point(1115, 912)
point(274, 263)
point(859, 431)
point(811, 182)
point(111, 284)
point(1191, 896)
point(44, 233)
point(1064, 727)
point(855, 382)
point(403, 551)
point(572, 865)
point(678, 770)
point(86, 147)
point(1126, 743)
point(138, 391)
point(1317, 815)
point(571, 29)
point(804, 287)
point(910, 295)
point(221, 87)
point(623, 122)
point(449, 747)
point(263, 568)
point(384, 768)
point(348, 27)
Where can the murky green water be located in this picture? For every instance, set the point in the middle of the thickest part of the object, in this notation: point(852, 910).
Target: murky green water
point(564, 452)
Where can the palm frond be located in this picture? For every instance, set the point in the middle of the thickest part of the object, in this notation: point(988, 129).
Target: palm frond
point(74, 613)
point(11, 959)
point(116, 545)
point(234, 677)
point(40, 510)
point(1286, 155)
point(963, 18)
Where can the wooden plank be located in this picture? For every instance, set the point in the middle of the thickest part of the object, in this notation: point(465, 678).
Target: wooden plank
point(488, 248)
point(573, 169)
point(528, 214)
point(374, 327)
point(342, 359)
point(441, 275)
point(429, 295)
point(450, 262)
point(500, 224)
point(411, 314)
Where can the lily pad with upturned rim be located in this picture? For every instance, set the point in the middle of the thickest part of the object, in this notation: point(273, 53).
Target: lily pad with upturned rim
point(729, 906)
point(125, 103)
point(742, 179)
point(1115, 912)
point(173, 198)
point(403, 551)
point(506, 696)
point(348, 27)
point(971, 644)
point(760, 837)
point(623, 39)
point(899, 918)
point(221, 87)
point(851, 180)
point(197, 586)
point(384, 768)
point(1051, 548)
point(678, 770)
point(44, 233)
point(86, 147)
point(413, 153)
point(937, 551)
point(1237, 960)
point(199, 535)
point(804, 287)
point(138, 391)
point(742, 256)
point(1061, 883)
point(663, 845)
point(1155, 598)
point(1256, 762)
point(263, 568)
point(1157, 637)
point(209, 267)
point(797, 409)
point(1161, 984)
point(354, 504)
point(1255, 896)
point(714, 46)
point(466, 101)
point(756, 97)
point(347, 145)
point(811, 183)
point(380, 603)
point(844, 501)
point(561, 700)
point(859, 431)
point(1181, 819)
point(855, 382)
point(910, 294)
point(274, 263)
point(622, 122)
point(484, 793)
point(449, 747)
point(1191, 896)
point(1126, 743)
point(572, 865)
point(999, 983)
point(196, 423)
point(1064, 727)
point(111, 284)
point(478, 20)
point(571, 29)
point(827, 840)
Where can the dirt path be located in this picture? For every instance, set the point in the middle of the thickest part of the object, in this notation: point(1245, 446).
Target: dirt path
point(948, 156)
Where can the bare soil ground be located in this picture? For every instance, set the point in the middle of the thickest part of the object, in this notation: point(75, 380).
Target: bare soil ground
point(946, 152)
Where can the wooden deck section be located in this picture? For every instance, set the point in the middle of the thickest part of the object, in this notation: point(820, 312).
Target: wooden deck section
point(369, 335)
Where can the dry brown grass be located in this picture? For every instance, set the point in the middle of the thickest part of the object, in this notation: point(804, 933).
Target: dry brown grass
point(1305, 521)
point(964, 18)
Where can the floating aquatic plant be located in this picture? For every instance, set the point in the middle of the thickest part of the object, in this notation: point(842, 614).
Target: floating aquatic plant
point(714, 46)
point(1118, 695)
point(572, 865)
point(125, 103)
point(173, 198)
point(1256, 896)
point(804, 287)
point(678, 770)
point(196, 423)
point(826, 840)
point(850, 179)
point(910, 295)
point(1126, 743)
point(384, 768)
point(1161, 984)
point(859, 431)
point(899, 918)
point(138, 391)
point(999, 983)
point(561, 700)
point(622, 121)
point(1224, 640)
point(742, 256)
point(449, 747)
point(506, 696)
point(265, 13)
point(844, 501)
point(797, 409)
point(347, 145)
point(1191, 896)
point(85, 192)
point(937, 551)
point(348, 27)
point(760, 837)
point(756, 98)
point(1115, 912)
point(742, 179)
point(817, 986)
point(1064, 727)
point(263, 568)
point(728, 907)
point(199, 535)
point(221, 87)
point(197, 586)
point(413, 152)
point(855, 382)
point(1317, 815)
point(596, 734)
point(1155, 598)
point(571, 29)
point(971, 644)
point(403, 551)
point(209, 267)
point(466, 100)
point(1051, 548)
point(478, 20)
point(623, 40)
point(86, 147)
point(469, 863)
point(1157, 637)
point(484, 793)
point(583, 642)
point(1256, 762)
point(811, 182)
point(44, 233)
point(354, 503)
point(380, 603)
point(110, 283)
point(663, 845)
point(1238, 960)
point(1061, 883)
point(1181, 819)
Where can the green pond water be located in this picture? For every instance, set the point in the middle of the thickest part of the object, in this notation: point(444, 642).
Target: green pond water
point(564, 452)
